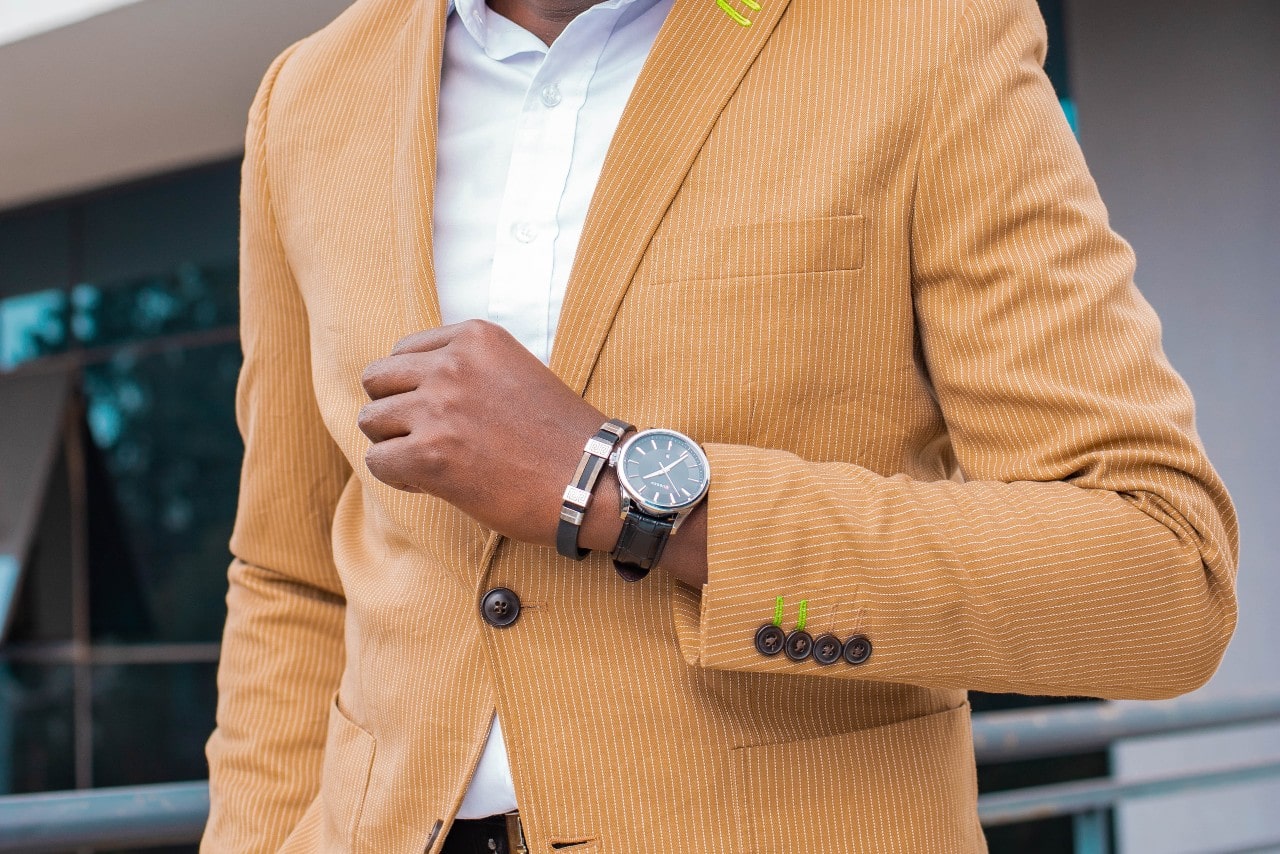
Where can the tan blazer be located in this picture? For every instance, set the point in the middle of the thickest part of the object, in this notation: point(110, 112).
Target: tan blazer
point(851, 248)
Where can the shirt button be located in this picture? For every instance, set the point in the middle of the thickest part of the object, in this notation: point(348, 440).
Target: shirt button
point(550, 96)
point(500, 607)
point(524, 232)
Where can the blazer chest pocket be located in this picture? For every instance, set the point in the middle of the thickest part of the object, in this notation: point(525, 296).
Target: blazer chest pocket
point(344, 776)
point(765, 249)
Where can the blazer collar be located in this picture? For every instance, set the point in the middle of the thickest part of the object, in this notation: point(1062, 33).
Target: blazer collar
point(698, 60)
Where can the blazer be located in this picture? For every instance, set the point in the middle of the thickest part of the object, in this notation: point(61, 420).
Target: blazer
point(853, 250)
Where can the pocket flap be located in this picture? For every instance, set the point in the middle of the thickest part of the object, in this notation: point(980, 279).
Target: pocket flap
point(758, 249)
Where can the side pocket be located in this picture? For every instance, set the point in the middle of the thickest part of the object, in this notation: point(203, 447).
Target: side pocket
point(344, 776)
point(897, 789)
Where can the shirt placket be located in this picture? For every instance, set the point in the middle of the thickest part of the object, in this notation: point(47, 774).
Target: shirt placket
point(524, 269)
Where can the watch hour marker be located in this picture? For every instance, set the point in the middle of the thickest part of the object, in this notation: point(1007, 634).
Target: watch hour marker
point(654, 442)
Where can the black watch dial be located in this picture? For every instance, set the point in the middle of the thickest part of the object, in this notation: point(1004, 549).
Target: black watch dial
point(663, 470)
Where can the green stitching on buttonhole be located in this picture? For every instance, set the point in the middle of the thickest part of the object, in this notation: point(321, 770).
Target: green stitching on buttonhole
point(735, 14)
point(804, 615)
point(777, 612)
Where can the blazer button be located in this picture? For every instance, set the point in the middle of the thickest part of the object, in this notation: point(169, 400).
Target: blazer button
point(827, 649)
point(500, 607)
point(799, 645)
point(857, 649)
point(770, 639)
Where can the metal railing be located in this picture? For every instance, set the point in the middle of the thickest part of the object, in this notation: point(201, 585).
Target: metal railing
point(174, 813)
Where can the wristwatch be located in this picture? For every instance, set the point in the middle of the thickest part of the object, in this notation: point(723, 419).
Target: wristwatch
point(663, 475)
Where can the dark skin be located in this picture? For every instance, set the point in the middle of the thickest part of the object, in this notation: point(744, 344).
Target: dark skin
point(464, 412)
point(546, 19)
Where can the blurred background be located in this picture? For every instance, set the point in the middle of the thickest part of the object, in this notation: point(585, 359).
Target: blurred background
point(121, 125)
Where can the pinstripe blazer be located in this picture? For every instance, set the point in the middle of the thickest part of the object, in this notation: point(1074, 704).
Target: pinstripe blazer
point(851, 248)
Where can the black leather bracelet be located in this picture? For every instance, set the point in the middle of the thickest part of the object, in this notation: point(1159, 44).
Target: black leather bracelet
point(577, 495)
point(640, 545)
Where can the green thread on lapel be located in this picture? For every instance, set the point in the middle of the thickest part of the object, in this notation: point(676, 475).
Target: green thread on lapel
point(804, 615)
point(777, 611)
point(735, 14)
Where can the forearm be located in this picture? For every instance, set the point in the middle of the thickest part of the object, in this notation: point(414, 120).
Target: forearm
point(1033, 587)
point(685, 555)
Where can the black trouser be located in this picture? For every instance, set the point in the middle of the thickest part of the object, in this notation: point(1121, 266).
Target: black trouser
point(481, 836)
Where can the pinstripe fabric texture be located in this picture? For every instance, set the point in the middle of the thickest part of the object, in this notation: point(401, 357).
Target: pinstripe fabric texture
point(854, 250)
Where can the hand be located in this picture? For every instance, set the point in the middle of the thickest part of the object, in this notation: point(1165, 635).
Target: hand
point(465, 413)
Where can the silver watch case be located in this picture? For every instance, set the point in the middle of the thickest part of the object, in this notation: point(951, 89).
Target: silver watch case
point(631, 499)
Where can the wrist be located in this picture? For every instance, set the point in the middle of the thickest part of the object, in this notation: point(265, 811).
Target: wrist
point(603, 523)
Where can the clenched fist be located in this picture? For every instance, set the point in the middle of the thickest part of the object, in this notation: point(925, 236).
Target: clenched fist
point(465, 413)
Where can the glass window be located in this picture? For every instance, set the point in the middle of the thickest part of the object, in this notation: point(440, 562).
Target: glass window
point(190, 299)
point(32, 325)
point(163, 428)
point(37, 749)
point(150, 722)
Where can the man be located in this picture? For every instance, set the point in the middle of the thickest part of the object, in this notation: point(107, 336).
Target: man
point(851, 253)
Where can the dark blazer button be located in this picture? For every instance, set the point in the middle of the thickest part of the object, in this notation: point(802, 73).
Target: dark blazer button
point(799, 645)
point(770, 639)
point(857, 649)
point(827, 649)
point(500, 607)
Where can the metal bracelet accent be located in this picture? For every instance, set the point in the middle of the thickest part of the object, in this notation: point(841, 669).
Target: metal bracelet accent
point(577, 495)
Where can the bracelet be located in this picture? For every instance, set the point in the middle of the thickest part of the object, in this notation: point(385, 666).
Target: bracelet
point(577, 495)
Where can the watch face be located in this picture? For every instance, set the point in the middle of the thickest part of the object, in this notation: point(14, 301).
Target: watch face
point(664, 471)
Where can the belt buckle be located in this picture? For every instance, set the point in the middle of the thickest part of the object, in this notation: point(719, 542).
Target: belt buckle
point(515, 834)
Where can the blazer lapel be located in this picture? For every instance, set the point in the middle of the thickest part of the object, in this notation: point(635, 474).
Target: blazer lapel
point(697, 62)
point(417, 101)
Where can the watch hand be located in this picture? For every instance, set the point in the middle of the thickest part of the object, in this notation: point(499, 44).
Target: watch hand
point(663, 470)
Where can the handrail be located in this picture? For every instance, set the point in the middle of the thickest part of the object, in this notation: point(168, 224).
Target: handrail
point(1033, 804)
point(122, 817)
point(175, 813)
point(1039, 733)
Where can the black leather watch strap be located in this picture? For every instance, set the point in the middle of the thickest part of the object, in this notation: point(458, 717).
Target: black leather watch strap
point(640, 544)
point(577, 495)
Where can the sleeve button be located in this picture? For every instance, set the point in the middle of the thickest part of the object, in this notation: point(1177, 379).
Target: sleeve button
point(827, 649)
point(770, 639)
point(857, 649)
point(799, 645)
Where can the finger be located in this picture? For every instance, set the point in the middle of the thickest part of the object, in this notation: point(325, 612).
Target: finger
point(431, 339)
point(384, 419)
point(392, 375)
point(385, 462)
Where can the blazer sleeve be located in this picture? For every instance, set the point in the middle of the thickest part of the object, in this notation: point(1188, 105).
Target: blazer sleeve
point(1091, 548)
point(282, 650)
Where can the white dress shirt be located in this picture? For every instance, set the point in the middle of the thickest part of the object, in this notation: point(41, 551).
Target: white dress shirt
point(524, 130)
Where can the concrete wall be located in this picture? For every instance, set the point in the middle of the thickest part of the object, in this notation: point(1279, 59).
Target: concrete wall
point(1179, 104)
